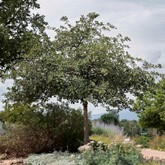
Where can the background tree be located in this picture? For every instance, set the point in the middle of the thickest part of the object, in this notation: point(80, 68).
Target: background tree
point(18, 25)
point(83, 64)
point(151, 107)
point(130, 128)
point(112, 117)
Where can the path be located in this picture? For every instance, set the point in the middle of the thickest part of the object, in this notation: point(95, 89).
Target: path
point(149, 153)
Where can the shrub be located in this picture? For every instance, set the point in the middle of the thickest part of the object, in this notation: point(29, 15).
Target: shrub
point(106, 133)
point(109, 130)
point(116, 154)
point(98, 131)
point(157, 143)
point(152, 162)
point(52, 127)
point(22, 140)
point(142, 140)
point(130, 128)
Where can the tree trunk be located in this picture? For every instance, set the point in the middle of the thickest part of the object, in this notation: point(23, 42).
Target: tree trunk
point(86, 127)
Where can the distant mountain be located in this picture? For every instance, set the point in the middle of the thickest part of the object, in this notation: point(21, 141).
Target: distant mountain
point(124, 114)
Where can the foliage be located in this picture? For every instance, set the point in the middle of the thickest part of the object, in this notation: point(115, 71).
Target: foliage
point(158, 143)
point(22, 140)
point(98, 131)
point(112, 117)
point(117, 154)
point(142, 140)
point(106, 133)
point(130, 128)
point(18, 26)
point(18, 113)
point(152, 162)
point(108, 130)
point(102, 138)
point(36, 130)
point(70, 159)
point(96, 66)
point(82, 64)
point(55, 158)
point(151, 107)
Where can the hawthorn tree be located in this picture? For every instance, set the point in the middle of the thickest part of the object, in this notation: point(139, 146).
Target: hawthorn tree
point(84, 63)
point(151, 107)
point(18, 25)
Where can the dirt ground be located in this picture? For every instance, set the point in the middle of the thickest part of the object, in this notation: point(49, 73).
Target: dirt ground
point(149, 153)
point(12, 162)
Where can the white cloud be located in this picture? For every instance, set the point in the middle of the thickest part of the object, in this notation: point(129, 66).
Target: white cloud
point(3, 89)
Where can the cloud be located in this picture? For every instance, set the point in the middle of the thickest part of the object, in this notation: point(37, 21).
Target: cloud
point(3, 89)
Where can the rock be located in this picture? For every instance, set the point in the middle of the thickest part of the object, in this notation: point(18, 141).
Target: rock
point(139, 146)
point(72, 157)
point(81, 149)
point(3, 156)
point(17, 161)
point(12, 162)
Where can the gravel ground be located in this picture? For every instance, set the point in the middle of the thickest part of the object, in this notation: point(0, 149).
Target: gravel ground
point(149, 153)
point(12, 162)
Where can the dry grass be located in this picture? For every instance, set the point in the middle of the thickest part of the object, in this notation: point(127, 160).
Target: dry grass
point(107, 133)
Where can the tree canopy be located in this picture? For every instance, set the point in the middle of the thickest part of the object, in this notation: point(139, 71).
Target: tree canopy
point(151, 107)
point(18, 25)
point(84, 63)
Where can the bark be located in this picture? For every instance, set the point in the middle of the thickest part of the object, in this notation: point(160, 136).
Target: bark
point(86, 127)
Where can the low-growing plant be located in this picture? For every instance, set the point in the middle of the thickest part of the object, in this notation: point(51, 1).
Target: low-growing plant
point(158, 143)
point(152, 162)
point(143, 140)
point(104, 139)
point(116, 154)
point(55, 158)
point(130, 128)
point(98, 131)
point(113, 132)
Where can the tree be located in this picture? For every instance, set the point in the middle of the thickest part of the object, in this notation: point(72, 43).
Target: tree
point(130, 128)
point(83, 64)
point(112, 117)
point(18, 25)
point(151, 107)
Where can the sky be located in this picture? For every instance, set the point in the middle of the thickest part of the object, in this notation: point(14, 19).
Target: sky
point(142, 21)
